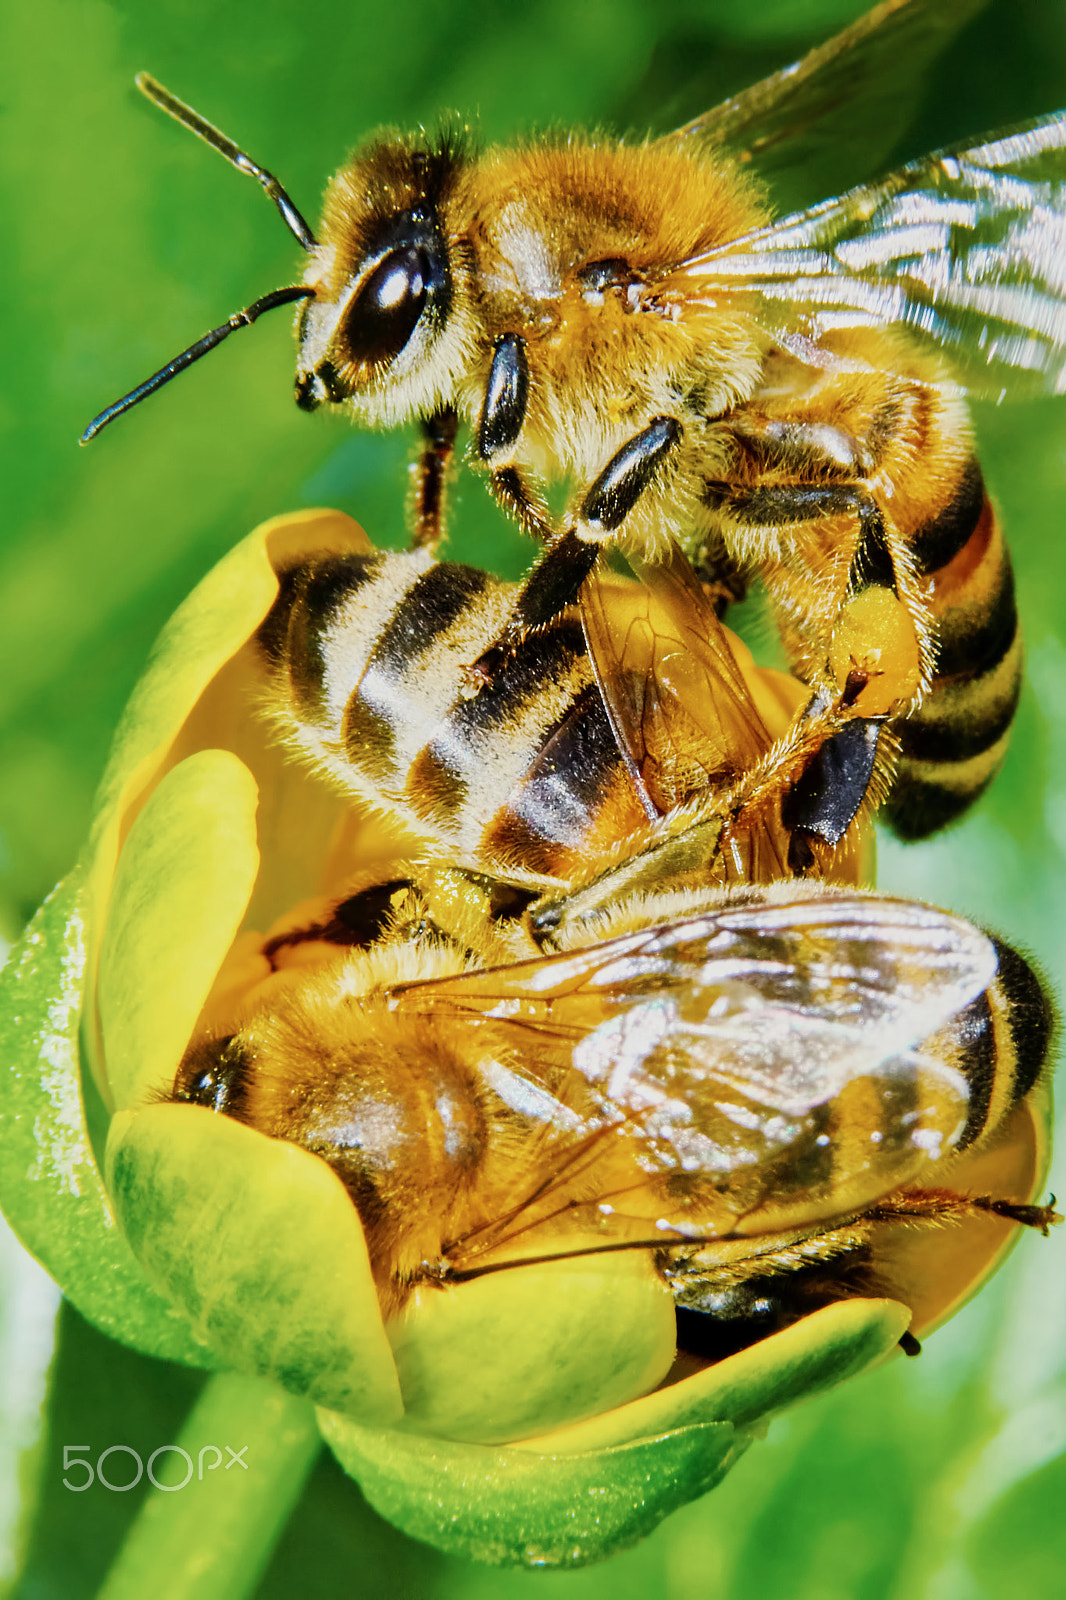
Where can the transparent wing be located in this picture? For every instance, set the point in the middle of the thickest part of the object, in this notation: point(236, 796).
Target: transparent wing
point(730, 1041)
point(681, 712)
point(840, 109)
point(965, 250)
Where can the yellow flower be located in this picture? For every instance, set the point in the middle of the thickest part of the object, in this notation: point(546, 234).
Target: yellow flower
point(533, 1416)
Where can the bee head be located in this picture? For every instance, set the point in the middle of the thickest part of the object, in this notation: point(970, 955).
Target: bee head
point(376, 329)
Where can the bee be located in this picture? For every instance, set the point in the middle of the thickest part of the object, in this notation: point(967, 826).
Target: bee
point(782, 397)
point(782, 1094)
point(780, 1089)
point(632, 741)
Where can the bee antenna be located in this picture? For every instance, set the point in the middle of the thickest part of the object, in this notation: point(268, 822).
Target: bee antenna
point(239, 319)
point(218, 141)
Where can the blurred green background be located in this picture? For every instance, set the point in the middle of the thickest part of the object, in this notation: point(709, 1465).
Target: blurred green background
point(124, 240)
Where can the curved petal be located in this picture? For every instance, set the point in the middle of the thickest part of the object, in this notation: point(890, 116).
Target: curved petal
point(580, 1493)
point(181, 887)
point(259, 1244)
point(205, 633)
point(817, 1352)
point(495, 1358)
point(51, 1190)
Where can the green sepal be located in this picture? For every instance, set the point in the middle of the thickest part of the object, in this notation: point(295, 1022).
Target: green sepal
point(509, 1507)
point(51, 1189)
point(575, 1495)
point(259, 1244)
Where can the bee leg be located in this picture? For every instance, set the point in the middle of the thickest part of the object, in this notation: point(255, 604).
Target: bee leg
point(553, 584)
point(825, 800)
point(624, 479)
point(429, 474)
point(879, 630)
point(515, 496)
point(556, 580)
point(503, 410)
point(503, 415)
point(943, 1205)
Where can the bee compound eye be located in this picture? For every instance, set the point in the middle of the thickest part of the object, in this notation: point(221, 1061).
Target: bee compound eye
point(214, 1074)
point(382, 316)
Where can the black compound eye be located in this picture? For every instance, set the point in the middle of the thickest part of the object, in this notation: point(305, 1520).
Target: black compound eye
point(382, 316)
point(214, 1074)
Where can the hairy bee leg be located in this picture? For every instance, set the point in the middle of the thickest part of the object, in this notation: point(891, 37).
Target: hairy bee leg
point(556, 580)
point(429, 474)
point(503, 415)
point(629, 472)
point(519, 500)
point(826, 799)
point(942, 1205)
point(876, 629)
point(776, 505)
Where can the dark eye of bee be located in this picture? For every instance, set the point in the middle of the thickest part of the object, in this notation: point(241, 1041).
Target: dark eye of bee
point(382, 316)
point(214, 1074)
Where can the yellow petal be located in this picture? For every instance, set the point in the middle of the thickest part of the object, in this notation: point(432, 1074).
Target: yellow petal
point(259, 1244)
point(206, 632)
point(815, 1353)
point(515, 1352)
point(183, 882)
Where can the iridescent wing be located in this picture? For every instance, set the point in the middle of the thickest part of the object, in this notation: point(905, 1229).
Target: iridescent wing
point(965, 251)
point(741, 1049)
point(846, 101)
point(681, 712)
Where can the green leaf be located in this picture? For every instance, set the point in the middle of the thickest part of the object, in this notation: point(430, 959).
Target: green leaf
point(51, 1190)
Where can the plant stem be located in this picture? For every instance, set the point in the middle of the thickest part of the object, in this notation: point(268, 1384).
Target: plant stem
point(251, 1448)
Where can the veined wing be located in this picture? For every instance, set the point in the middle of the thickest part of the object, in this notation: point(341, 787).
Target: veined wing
point(965, 250)
point(682, 715)
point(846, 101)
point(732, 1045)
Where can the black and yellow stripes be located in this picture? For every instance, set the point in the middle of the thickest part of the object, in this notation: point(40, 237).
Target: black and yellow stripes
point(369, 659)
point(953, 745)
point(1000, 1044)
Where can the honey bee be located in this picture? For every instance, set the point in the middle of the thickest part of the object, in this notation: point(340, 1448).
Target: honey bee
point(779, 1093)
point(632, 742)
point(784, 398)
point(776, 1087)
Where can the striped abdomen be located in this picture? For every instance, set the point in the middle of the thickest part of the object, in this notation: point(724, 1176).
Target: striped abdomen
point(1000, 1045)
point(368, 656)
point(954, 745)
